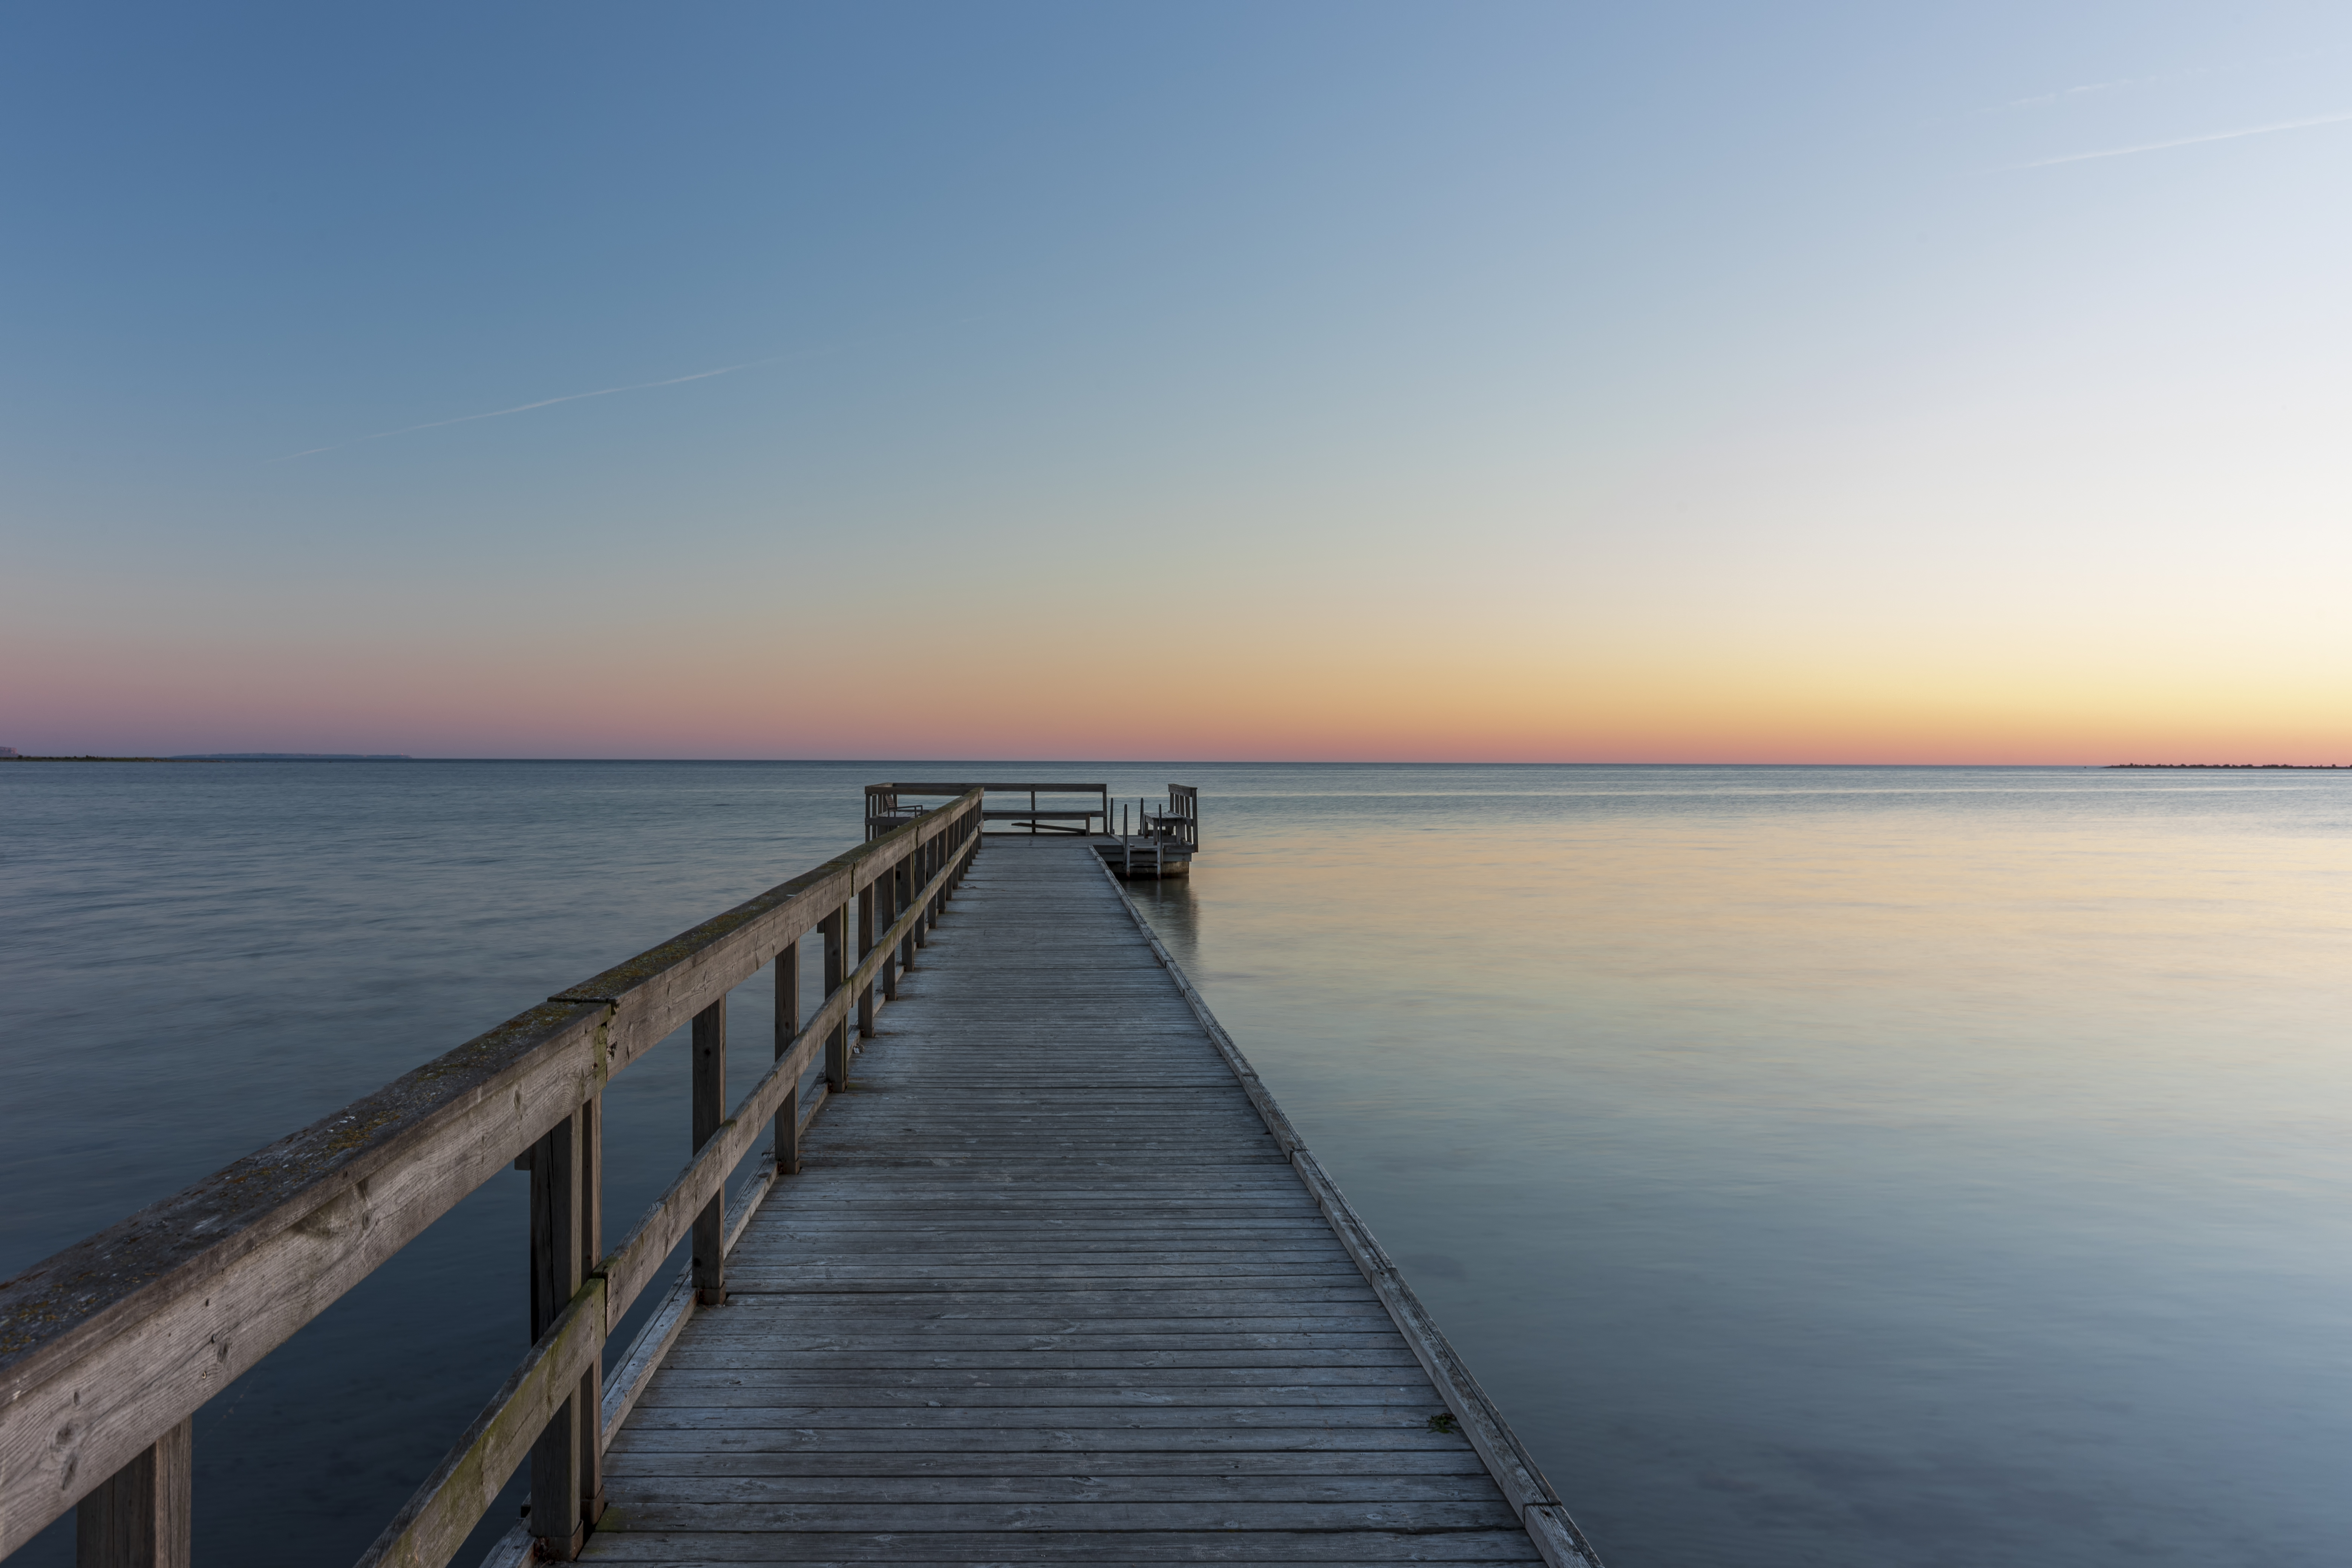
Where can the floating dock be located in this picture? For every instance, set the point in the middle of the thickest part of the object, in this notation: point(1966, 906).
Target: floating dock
point(1051, 1280)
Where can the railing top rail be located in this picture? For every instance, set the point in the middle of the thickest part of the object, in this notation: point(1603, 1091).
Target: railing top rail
point(77, 1293)
point(142, 1323)
point(961, 788)
point(614, 983)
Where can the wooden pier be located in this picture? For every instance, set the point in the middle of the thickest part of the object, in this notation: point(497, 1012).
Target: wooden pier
point(1136, 842)
point(1051, 1280)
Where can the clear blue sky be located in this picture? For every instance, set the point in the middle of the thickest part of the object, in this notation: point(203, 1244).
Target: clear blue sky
point(1461, 379)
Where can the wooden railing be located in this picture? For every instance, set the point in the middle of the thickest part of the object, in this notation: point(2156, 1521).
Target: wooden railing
point(108, 1348)
point(1181, 820)
point(884, 810)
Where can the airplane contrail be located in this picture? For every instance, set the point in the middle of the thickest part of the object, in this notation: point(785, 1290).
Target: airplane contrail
point(527, 407)
point(2193, 140)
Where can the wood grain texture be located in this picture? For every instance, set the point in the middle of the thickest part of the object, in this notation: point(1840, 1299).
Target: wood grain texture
point(653, 1343)
point(1048, 1288)
point(562, 1484)
point(113, 1341)
point(140, 1517)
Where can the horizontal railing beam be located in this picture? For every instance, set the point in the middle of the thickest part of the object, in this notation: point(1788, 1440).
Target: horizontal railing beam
point(665, 986)
point(632, 1266)
point(433, 1527)
point(121, 1337)
point(961, 788)
point(116, 1340)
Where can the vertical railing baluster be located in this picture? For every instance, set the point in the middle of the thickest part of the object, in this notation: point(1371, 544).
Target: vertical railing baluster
point(709, 1111)
point(138, 1517)
point(916, 863)
point(837, 1040)
point(589, 1122)
point(869, 896)
point(555, 1277)
point(906, 889)
point(788, 1028)
point(885, 915)
point(930, 901)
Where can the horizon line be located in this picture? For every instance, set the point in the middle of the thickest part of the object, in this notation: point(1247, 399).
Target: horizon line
point(1143, 761)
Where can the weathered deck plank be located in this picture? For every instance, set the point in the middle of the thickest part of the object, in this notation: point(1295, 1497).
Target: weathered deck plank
point(1048, 1289)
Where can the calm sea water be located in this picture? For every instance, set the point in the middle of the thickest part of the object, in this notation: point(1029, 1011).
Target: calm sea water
point(1878, 1168)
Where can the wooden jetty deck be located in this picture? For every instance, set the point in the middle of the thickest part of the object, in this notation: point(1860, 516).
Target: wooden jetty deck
point(1053, 1279)
point(1047, 1289)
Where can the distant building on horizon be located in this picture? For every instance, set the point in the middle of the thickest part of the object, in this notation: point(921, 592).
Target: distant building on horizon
point(7, 751)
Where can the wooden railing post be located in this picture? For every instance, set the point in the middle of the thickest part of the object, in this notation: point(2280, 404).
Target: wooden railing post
point(710, 1110)
point(869, 896)
point(913, 901)
point(434, 1137)
point(885, 915)
point(837, 1040)
point(589, 1122)
point(903, 896)
point(556, 1273)
point(927, 868)
point(138, 1517)
point(788, 1027)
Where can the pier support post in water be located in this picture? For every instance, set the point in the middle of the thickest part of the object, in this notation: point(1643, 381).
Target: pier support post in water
point(788, 1027)
point(557, 1269)
point(138, 1517)
point(709, 1111)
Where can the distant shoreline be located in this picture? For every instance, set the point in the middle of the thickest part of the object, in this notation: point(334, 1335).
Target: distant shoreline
point(231, 757)
point(2265, 767)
